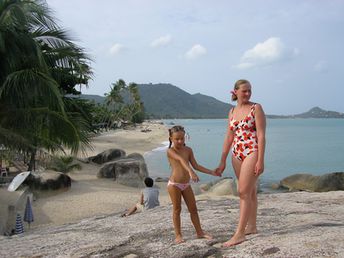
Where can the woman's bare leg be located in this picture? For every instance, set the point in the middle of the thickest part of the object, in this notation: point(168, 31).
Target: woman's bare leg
point(190, 202)
point(251, 227)
point(176, 198)
point(247, 182)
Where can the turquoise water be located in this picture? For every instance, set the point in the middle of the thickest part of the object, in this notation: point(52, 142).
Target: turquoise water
point(293, 146)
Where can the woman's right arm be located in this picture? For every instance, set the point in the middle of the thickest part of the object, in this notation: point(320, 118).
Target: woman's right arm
point(227, 143)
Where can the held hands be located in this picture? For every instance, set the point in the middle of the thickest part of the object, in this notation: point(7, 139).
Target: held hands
point(219, 170)
point(216, 172)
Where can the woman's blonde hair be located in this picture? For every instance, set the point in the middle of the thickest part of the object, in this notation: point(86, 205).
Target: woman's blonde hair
point(237, 86)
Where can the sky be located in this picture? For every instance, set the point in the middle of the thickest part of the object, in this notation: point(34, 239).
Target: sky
point(290, 50)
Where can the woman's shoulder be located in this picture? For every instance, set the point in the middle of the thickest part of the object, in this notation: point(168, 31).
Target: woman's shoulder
point(256, 105)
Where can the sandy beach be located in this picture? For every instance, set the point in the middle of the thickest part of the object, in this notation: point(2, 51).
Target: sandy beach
point(91, 196)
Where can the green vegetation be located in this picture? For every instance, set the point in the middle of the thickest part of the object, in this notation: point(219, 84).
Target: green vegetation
point(39, 65)
point(169, 101)
point(63, 164)
point(124, 103)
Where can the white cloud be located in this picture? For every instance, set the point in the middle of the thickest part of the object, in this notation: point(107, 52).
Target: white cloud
point(321, 66)
point(116, 49)
point(162, 41)
point(195, 52)
point(268, 52)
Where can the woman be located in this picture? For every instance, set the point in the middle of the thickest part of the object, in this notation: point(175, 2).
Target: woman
point(246, 136)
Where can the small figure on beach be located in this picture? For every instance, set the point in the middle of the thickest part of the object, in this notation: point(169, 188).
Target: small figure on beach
point(149, 198)
point(246, 137)
point(180, 157)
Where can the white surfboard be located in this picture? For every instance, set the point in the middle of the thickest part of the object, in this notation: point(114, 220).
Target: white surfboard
point(17, 181)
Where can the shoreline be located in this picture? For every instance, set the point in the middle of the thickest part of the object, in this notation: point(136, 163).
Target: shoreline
point(90, 196)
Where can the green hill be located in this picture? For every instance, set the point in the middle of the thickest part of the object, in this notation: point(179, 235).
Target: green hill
point(315, 112)
point(169, 101)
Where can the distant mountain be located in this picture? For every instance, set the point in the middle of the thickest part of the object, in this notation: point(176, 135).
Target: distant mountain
point(96, 98)
point(315, 112)
point(168, 101)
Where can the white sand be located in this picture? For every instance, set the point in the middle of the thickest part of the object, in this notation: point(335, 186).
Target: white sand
point(90, 196)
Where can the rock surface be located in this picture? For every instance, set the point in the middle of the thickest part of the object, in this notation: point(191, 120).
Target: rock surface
point(297, 224)
point(307, 182)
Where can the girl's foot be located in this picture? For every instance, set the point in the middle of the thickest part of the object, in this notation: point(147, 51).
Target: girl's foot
point(179, 239)
point(235, 240)
point(124, 215)
point(205, 235)
point(250, 230)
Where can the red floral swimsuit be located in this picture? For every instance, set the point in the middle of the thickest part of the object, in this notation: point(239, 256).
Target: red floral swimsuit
point(245, 135)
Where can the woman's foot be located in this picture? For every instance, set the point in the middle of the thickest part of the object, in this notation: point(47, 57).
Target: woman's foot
point(179, 239)
point(250, 230)
point(124, 215)
point(235, 240)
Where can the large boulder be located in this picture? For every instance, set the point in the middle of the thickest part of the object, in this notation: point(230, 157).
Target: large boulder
point(107, 170)
point(108, 155)
point(136, 156)
point(48, 180)
point(307, 182)
point(130, 170)
point(226, 186)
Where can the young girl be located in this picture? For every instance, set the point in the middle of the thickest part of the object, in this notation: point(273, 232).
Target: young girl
point(180, 158)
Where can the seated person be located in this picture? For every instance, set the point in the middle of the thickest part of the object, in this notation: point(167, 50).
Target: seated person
point(148, 200)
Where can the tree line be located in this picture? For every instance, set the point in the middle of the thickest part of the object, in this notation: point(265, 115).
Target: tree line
point(41, 69)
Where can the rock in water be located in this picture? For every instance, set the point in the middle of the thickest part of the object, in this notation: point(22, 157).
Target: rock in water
point(307, 182)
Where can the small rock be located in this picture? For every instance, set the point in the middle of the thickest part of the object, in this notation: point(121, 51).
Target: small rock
point(271, 250)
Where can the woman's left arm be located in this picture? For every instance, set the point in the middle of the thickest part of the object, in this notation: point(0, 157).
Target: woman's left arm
point(260, 126)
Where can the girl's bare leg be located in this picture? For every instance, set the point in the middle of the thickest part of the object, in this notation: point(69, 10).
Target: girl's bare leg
point(190, 202)
point(247, 183)
point(176, 198)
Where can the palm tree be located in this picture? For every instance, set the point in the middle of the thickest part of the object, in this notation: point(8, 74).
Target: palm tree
point(135, 105)
point(114, 99)
point(64, 164)
point(38, 65)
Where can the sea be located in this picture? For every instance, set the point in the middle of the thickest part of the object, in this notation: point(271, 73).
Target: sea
point(314, 146)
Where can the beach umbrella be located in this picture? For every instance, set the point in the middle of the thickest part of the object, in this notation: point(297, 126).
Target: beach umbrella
point(28, 215)
point(19, 225)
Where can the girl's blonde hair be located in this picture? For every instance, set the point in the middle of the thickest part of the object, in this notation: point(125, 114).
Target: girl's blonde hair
point(237, 86)
point(174, 129)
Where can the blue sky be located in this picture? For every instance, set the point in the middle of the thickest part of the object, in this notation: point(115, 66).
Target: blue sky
point(291, 51)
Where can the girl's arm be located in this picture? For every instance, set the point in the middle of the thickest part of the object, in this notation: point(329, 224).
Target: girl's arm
point(227, 143)
point(198, 167)
point(172, 154)
point(261, 126)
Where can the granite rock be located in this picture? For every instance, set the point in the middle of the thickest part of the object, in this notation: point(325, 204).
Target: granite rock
point(297, 224)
